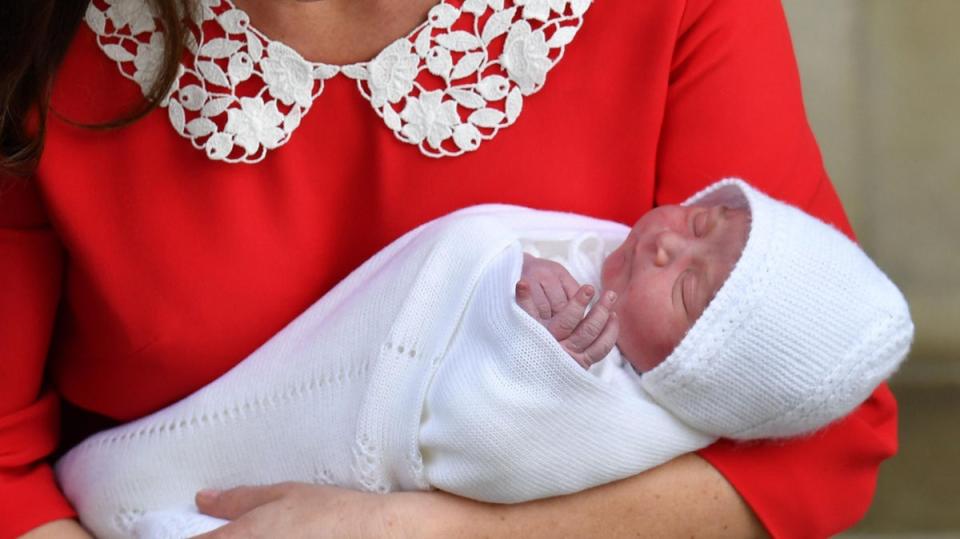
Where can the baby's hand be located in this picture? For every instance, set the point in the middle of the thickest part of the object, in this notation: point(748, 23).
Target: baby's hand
point(548, 293)
point(548, 287)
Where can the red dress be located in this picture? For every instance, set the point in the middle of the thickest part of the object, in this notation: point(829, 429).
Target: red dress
point(135, 268)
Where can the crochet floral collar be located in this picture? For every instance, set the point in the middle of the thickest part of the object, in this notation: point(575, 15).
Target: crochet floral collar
point(450, 84)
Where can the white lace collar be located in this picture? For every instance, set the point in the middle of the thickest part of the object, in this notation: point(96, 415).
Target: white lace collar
point(437, 88)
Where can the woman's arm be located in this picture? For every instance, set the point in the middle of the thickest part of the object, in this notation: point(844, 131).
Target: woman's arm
point(30, 274)
point(58, 529)
point(683, 498)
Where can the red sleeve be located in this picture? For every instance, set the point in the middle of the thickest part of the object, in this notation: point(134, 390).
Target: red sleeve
point(30, 272)
point(734, 108)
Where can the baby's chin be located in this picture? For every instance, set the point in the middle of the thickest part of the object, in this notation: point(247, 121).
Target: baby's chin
point(640, 362)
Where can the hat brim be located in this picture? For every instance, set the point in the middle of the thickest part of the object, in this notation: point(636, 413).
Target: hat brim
point(729, 192)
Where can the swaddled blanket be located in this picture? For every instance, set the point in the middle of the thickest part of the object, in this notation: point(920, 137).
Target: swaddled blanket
point(417, 371)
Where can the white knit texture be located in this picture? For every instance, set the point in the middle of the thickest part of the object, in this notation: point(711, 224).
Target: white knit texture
point(511, 417)
point(418, 370)
point(803, 330)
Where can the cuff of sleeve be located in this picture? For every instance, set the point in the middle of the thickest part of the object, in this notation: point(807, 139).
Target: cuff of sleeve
point(30, 498)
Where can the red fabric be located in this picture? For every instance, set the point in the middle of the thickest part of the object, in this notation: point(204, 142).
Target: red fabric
point(175, 267)
point(30, 271)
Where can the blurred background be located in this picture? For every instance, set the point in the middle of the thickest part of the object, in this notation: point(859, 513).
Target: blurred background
point(881, 80)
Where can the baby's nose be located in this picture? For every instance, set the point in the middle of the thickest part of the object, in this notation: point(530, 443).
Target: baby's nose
point(662, 258)
point(668, 245)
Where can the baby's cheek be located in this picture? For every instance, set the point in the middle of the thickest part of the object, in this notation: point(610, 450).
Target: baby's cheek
point(643, 343)
point(609, 269)
point(628, 341)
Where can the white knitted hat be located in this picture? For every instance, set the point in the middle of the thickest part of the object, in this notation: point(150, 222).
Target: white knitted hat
point(802, 331)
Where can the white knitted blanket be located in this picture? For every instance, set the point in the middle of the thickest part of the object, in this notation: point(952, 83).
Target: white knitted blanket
point(417, 371)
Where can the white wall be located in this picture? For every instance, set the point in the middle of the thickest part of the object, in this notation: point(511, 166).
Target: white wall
point(882, 87)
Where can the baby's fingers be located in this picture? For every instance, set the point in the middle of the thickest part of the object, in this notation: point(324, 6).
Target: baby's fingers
point(563, 324)
point(590, 328)
point(556, 295)
point(569, 284)
point(603, 345)
point(525, 299)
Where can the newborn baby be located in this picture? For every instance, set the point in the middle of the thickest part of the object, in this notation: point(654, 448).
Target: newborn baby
point(657, 283)
point(445, 362)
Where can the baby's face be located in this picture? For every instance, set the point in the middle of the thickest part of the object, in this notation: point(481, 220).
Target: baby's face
point(666, 272)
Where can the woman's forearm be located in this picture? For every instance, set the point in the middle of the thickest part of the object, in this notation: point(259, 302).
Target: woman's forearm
point(685, 497)
point(58, 529)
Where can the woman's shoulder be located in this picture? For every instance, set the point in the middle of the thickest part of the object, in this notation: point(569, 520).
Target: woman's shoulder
point(88, 88)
